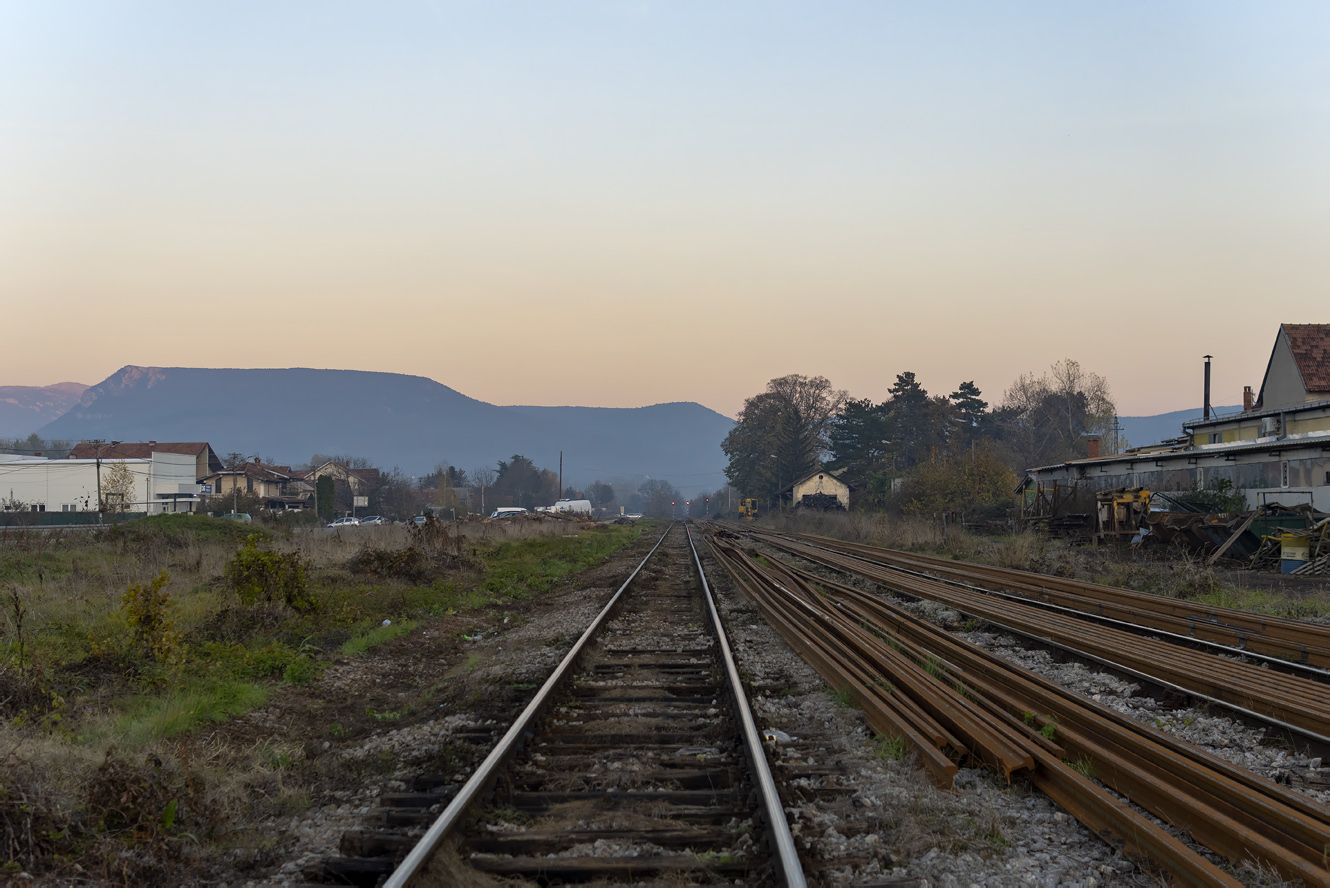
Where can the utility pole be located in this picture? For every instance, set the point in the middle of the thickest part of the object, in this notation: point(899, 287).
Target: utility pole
point(99, 442)
point(560, 496)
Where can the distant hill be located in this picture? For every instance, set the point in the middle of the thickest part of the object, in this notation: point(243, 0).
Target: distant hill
point(25, 408)
point(394, 420)
point(1141, 431)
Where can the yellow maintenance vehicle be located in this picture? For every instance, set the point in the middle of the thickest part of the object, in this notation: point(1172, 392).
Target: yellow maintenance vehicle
point(748, 509)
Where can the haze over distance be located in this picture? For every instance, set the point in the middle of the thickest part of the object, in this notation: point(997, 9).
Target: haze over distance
point(620, 204)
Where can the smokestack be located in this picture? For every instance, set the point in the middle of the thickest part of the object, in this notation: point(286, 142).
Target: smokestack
point(1248, 398)
point(1092, 448)
point(1207, 388)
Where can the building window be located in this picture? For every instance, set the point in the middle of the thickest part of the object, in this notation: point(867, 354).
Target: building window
point(1283, 474)
point(249, 485)
point(69, 507)
point(39, 507)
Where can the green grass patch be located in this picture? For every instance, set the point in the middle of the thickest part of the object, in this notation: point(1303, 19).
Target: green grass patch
point(520, 568)
point(890, 749)
point(179, 711)
point(1265, 601)
point(378, 635)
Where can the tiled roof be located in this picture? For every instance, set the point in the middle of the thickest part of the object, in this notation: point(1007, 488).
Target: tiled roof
point(135, 450)
point(1310, 344)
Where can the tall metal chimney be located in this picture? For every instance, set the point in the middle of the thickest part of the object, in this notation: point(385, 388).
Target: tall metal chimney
point(1207, 388)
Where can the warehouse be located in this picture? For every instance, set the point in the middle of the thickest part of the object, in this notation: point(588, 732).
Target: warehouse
point(162, 483)
point(1277, 449)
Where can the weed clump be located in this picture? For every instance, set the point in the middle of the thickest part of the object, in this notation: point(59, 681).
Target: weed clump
point(147, 611)
point(33, 828)
point(431, 552)
point(151, 806)
point(262, 575)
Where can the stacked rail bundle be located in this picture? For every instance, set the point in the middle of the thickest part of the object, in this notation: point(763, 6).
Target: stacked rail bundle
point(1297, 705)
point(1287, 639)
point(1222, 806)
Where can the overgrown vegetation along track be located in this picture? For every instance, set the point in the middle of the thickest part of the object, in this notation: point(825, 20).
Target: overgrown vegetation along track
point(952, 702)
point(1291, 704)
point(638, 758)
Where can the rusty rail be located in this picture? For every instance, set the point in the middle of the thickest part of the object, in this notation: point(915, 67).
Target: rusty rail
point(1293, 704)
point(883, 656)
point(1276, 638)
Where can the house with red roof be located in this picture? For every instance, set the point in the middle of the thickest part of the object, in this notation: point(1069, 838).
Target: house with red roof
point(205, 460)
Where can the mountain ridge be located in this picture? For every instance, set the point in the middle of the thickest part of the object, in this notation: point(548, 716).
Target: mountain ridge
point(24, 408)
point(393, 419)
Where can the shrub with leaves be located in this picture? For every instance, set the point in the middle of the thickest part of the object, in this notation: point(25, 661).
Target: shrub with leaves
point(147, 611)
point(262, 575)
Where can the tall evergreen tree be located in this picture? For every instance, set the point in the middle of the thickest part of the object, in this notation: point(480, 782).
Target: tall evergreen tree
point(969, 412)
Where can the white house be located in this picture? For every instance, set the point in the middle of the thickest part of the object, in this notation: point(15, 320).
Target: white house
point(818, 488)
point(163, 483)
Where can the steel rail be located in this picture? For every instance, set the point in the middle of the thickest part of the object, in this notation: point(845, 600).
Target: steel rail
point(772, 809)
point(510, 743)
point(1226, 807)
point(1093, 805)
point(1282, 638)
point(1288, 702)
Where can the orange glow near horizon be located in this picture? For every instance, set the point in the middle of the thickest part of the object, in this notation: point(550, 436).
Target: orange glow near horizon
point(612, 206)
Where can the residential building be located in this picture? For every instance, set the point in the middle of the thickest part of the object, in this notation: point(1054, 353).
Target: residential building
point(275, 486)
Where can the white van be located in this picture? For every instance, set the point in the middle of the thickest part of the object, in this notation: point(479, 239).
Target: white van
point(581, 507)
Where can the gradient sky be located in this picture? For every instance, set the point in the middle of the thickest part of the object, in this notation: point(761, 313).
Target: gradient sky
point(625, 203)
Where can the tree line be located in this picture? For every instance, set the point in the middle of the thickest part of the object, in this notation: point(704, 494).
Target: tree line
point(913, 449)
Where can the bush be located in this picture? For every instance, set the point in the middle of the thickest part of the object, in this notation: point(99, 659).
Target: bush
point(262, 575)
point(969, 482)
point(146, 610)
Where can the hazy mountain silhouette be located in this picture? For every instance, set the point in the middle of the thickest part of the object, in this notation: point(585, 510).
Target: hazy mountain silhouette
point(1142, 431)
point(394, 420)
point(26, 408)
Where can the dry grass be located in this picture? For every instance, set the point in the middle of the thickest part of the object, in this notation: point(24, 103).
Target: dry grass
point(83, 689)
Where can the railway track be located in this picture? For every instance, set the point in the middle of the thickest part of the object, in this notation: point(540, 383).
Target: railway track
point(952, 703)
point(1294, 646)
point(1294, 705)
point(637, 759)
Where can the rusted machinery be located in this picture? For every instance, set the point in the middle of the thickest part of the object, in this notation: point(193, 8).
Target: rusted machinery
point(1119, 514)
point(748, 509)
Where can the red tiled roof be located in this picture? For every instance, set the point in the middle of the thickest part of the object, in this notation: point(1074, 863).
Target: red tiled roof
point(1310, 344)
point(135, 450)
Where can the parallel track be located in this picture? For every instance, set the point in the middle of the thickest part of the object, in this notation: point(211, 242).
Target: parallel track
point(952, 703)
point(1278, 641)
point(1293, 704)
point(638, 758)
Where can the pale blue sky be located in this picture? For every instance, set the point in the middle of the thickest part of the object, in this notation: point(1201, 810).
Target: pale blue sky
point(682, 191)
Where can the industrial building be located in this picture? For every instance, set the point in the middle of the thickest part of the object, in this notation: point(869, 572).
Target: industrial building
point(1277, 449)
point(162, 482)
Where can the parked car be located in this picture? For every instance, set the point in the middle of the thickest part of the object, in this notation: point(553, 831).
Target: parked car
point(420, 519)
point(242, 517)
point(507, 512)
point(372, 521)
point(344, 522)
